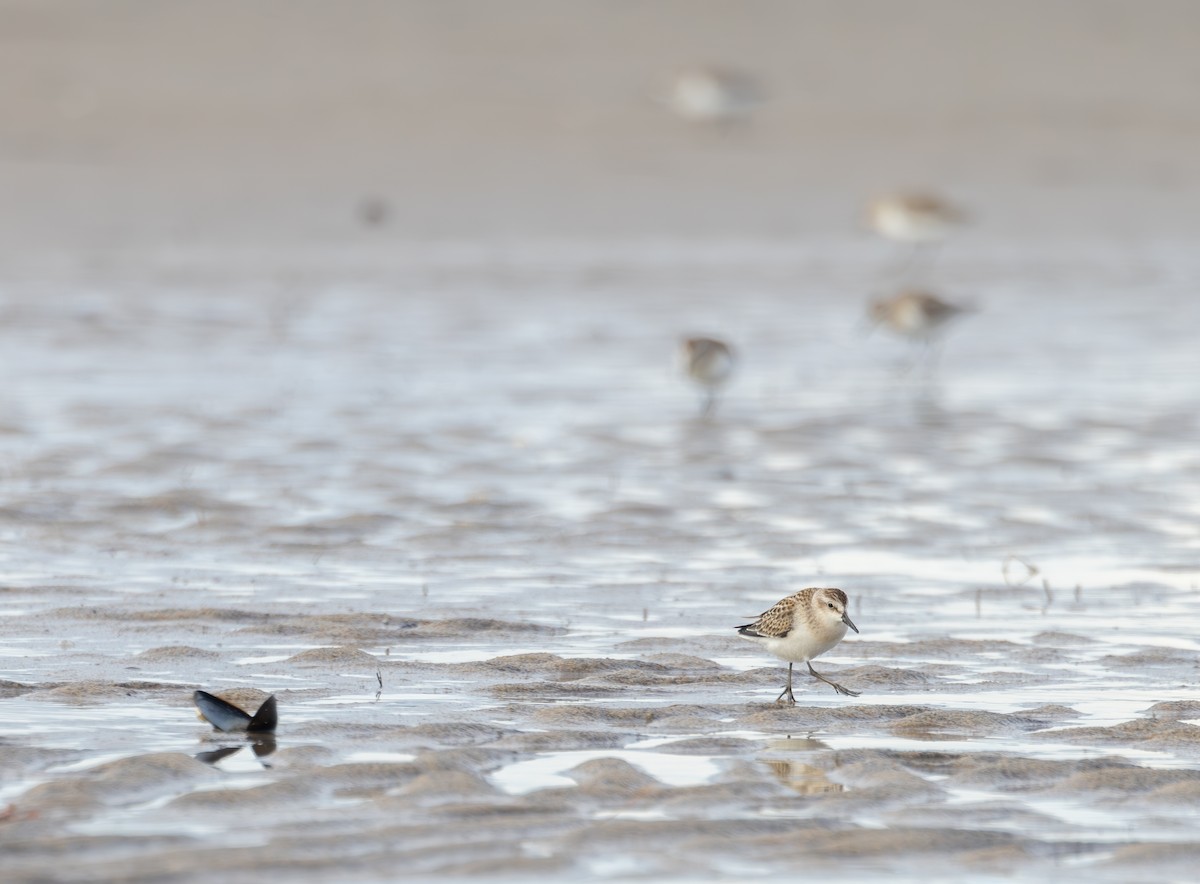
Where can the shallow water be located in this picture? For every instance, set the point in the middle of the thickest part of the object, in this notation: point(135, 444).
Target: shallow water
point(454, 507)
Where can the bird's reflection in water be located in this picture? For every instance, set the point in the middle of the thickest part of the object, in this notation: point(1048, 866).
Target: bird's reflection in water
point(796, 773)
point(927, 408)
point(708, 445)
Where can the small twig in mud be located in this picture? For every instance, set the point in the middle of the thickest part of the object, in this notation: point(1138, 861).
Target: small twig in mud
point(379, 678)
point(1031, 571)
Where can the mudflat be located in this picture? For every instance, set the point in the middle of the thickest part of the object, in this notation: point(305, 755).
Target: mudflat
point(428, 474)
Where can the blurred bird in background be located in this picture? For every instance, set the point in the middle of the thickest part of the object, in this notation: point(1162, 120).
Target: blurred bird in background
point(709, 363)
point(712, 95)
point(915, 314)
point(914, 218)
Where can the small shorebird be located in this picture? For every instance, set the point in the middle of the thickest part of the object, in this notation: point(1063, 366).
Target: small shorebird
point(373, 211)
point(709, 363)
point(915, 314)
point(712, 95)
point(916, 218)
point(801, 628)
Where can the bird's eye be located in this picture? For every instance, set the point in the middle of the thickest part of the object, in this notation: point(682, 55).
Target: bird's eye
point(830, 604)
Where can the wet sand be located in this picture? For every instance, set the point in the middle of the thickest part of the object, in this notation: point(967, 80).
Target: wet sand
point(454, 773)
point(438, 487)
point(491, 576)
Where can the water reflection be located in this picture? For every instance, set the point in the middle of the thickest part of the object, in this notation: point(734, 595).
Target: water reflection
point(260, 746)
point(797, 773)
point(803, 778)
point(928, 410)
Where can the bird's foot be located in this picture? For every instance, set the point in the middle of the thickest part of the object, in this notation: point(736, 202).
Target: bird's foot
point(833, 684)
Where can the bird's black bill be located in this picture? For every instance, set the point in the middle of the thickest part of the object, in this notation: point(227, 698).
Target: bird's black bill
point(846, 619)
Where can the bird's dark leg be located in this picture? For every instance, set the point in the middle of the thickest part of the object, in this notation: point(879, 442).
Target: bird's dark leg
point(787, 692)
point(710, 401)
point(932, 354)
point(833, 684)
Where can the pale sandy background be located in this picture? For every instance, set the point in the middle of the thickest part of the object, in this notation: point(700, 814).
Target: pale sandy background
point(125, 124)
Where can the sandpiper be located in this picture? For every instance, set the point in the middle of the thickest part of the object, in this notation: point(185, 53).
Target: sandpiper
point(916, 218)
point(801, 628)
point(712, 95)
point(915, 314)
point(709, 363)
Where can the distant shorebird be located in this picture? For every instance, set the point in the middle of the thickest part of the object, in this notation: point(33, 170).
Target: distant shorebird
point(712, 95)
point(914, 218)
point(915, 314)
point(709, 363)
point(801, 628)
point(373, 211)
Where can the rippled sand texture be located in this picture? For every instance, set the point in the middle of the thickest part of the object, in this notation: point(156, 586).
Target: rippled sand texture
point(438, 486)
point(462, 520)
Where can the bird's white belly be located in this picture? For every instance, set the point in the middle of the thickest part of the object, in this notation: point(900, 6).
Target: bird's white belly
point(800, 646)
point(715, 369)
point(910, 319)
point(905, 226)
